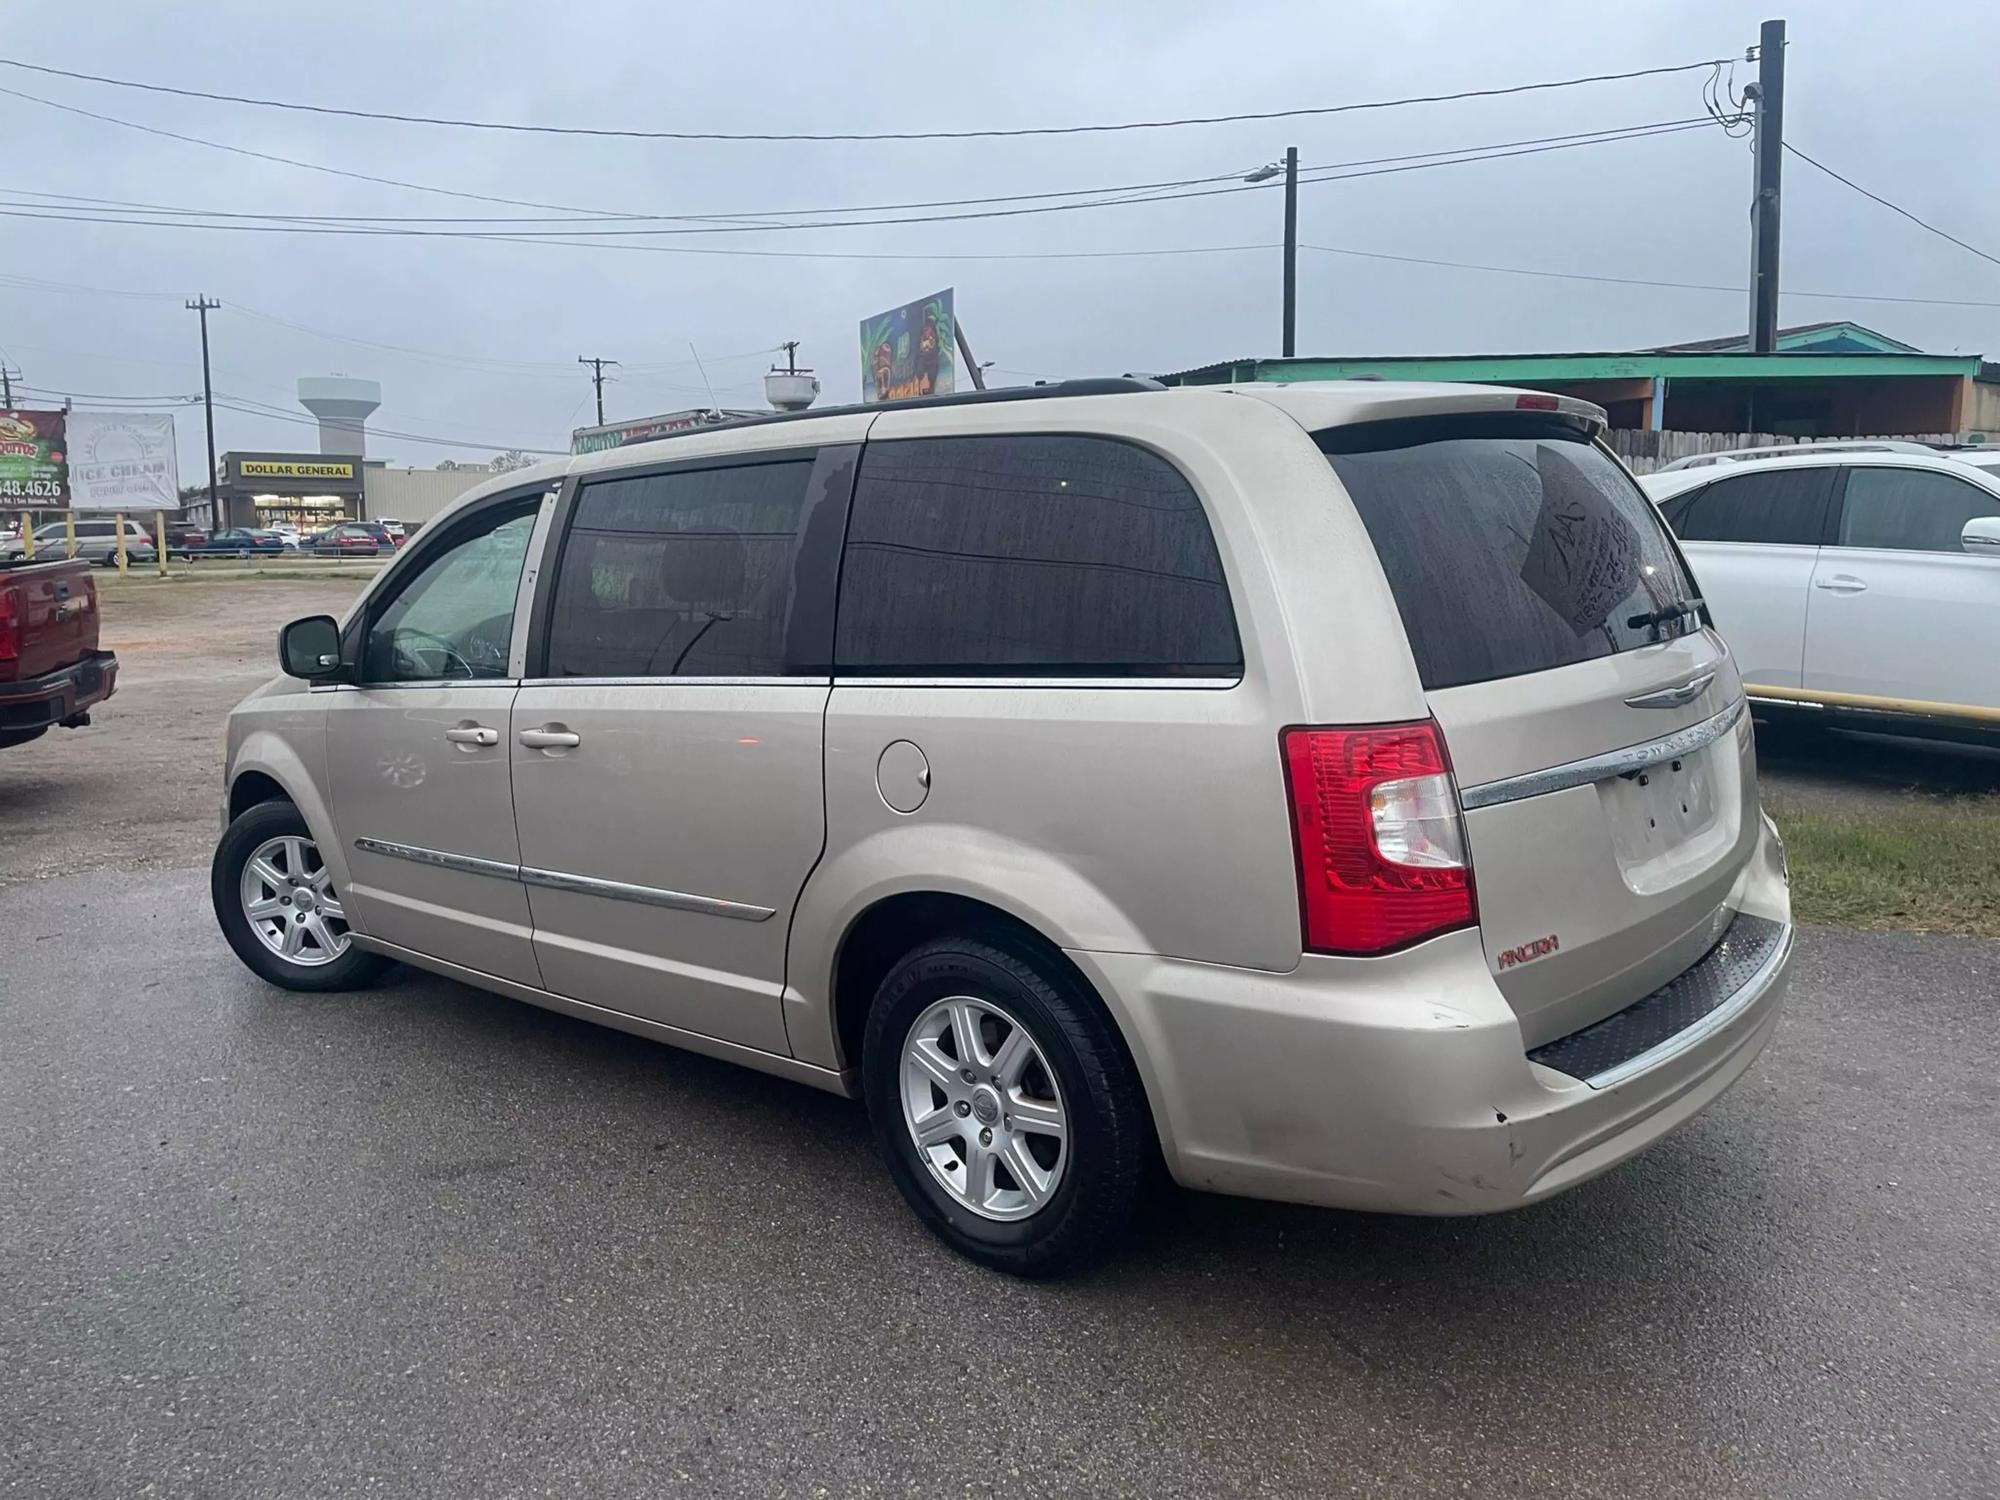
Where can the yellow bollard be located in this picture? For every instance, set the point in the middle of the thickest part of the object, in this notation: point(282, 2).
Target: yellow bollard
point(160, 540)
point(118, 521)
point(69, 533)
point(28, 535)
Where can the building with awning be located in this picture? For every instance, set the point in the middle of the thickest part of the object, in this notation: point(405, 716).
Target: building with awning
point(1825, 380)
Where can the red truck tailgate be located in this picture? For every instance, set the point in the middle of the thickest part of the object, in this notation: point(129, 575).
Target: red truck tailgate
point(48, 618)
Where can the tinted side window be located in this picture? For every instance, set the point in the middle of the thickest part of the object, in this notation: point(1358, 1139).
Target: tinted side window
point(1774, 506)
point(1910, 510)
point(1026, 555)
point(686, 573)
point(1675, 510)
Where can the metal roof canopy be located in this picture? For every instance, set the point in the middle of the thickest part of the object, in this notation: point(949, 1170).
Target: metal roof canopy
point(1531, 369)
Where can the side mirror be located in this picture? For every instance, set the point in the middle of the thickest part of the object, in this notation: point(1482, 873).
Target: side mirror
point(310, 648)
point(1981, 536)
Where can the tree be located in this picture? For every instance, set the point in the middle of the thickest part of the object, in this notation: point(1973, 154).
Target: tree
point(512, 459)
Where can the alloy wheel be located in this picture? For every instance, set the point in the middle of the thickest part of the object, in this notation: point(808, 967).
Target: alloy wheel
point(983, 1108)
point(288, 897)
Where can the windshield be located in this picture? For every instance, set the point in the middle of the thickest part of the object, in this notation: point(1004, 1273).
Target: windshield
point(1511, 548)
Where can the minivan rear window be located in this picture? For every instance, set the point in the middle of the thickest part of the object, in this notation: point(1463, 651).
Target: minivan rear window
point(1511, 548)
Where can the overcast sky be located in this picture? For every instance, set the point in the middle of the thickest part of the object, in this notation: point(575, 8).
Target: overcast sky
point(1899, 98)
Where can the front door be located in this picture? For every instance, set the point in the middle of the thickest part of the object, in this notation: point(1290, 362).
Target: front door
point(417, 752)
point(667, 763)
point(1899, 609)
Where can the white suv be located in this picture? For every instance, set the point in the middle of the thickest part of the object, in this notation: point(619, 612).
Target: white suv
point(1332, 791)
point(1858, 580)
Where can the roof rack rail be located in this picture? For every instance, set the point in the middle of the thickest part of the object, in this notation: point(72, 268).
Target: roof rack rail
point(1104, 385)
point(1791, 450)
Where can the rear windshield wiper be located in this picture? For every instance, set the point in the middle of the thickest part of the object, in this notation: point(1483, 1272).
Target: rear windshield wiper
point(1653, 619)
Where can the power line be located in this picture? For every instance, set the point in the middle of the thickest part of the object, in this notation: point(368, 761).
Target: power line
point(882, 135)
point(747, 221)
point(238, 404)
point(1892, 207)
point(57, 214)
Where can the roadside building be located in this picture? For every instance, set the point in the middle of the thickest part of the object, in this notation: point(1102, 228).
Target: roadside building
point(310, 490)
point(1826, 380)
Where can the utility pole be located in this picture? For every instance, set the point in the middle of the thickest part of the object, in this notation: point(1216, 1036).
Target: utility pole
point(203, 305)
point(1291, 171)
point(1291, 250)
point(965, 355)
point(597, 379)
point(7, 388)
point(1767, 116)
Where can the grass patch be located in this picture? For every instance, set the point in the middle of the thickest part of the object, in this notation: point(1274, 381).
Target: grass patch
point(1925, 865)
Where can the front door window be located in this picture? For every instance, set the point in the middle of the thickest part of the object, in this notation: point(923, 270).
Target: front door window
point(453, 618)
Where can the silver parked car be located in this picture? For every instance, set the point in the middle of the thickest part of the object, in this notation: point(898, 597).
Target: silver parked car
point(1335, 791)
point(96, 542)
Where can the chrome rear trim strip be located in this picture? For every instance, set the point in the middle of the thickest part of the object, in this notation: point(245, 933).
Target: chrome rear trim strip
point(558, 880)
point(645, 895)
point(465, 863)
point(1602, 767)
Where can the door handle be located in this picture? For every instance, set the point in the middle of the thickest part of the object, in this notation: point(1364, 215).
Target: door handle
point(550, 737)
point(473, 734)
point(1842, 583)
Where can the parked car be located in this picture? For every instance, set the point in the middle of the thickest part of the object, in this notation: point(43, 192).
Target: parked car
point(1861, 583)
point(396, 531)
point(1334, 791)
point(183, 537)
point(355, 538)
point(239, 541)
point(51, 669)
point(96, 542)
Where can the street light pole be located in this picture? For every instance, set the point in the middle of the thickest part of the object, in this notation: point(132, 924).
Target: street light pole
point(1290, 169)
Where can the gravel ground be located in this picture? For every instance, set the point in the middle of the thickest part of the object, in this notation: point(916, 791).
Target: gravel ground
point(422, 1241)
point(140, 787)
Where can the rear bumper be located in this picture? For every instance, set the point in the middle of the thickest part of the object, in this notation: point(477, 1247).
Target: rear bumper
point(58, 697)
point(1402, 1084)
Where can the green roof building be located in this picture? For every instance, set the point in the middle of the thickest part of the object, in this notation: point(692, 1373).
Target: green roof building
point(1825, 380)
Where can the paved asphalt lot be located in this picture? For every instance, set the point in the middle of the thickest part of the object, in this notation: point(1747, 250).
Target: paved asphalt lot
point(420, 1241)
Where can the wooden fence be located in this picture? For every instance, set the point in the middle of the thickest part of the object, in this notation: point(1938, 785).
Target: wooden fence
point(1644, 452)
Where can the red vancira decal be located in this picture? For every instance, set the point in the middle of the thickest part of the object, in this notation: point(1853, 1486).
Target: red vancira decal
point(1527, 953)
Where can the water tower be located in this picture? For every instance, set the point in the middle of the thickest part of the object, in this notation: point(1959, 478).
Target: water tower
point(342, 406)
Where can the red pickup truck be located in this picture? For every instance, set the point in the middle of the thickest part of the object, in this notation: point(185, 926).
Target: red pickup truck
point(51, 670)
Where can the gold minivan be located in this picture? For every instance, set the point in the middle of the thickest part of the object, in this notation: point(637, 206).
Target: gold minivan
point(1334, 792)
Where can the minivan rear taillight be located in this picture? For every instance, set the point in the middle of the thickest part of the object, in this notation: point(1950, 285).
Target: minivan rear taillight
point(1381, 847)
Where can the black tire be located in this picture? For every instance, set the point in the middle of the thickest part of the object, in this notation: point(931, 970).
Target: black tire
point(352, 970)
point(1109, 1129)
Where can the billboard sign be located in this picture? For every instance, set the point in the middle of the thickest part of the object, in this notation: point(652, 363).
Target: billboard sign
point(34, 459)
point(123, 461)
point(909, 350)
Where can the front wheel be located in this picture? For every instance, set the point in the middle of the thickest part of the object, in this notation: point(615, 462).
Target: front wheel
point(1006, 1105)
point(277, 905)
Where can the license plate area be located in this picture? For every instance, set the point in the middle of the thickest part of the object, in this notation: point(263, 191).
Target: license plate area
point(1665, 819)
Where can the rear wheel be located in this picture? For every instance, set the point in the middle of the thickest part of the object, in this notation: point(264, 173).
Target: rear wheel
point(277, 905)
point(1002, 1097)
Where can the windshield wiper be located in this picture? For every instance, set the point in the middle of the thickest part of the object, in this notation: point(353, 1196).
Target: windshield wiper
point(1653, 619)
